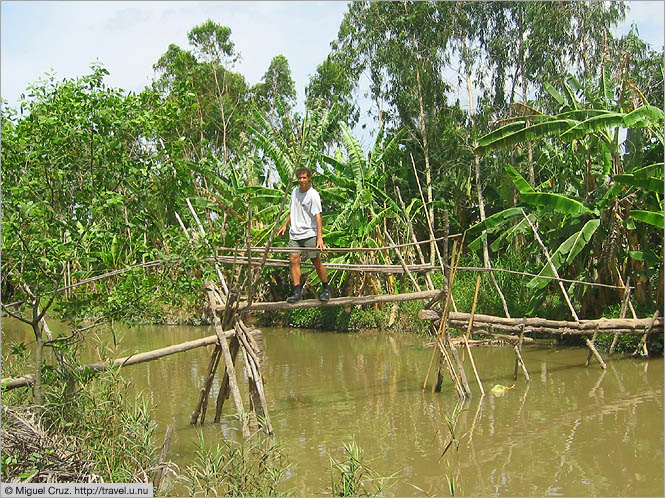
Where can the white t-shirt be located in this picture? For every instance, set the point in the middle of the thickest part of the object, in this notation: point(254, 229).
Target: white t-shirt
point(303, 208)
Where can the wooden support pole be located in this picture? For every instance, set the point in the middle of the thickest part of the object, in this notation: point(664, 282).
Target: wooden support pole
point(256, 379)
point(595, 353)
point(593, 341)
point(468, 332)
point(444, 315)
point(230, 368)
point(157, 479)
point(519, 360)
point(224, 388)
point(642, 346)
point(460, 367)
point(205, 389)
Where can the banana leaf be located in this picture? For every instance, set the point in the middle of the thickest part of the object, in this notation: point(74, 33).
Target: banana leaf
point(655, 169)
point(507, 235)
point(651, 183)
point(540, 130)
point(556, 95)
point(645, 114)
point(555, 202)
point(565, 253)
point(650, 217)
point(494, 221)
point(596, 123)
point(520, 183)
point(500, 133)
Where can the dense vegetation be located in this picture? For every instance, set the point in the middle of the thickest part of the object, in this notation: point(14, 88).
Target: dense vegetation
point(564, 130)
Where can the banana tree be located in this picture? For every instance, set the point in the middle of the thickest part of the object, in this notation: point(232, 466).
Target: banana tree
point(591, 203)
point(355, 191)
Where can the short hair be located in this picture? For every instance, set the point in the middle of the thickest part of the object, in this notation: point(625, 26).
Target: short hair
point(302, 170)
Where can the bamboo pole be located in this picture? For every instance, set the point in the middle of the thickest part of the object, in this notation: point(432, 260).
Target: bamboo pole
point(519, 359)
point(642, 346)
point(428, 277)
point(201, 404)
point(404, 266)
point(468, 332)
point(444, 315)
point(595, 352)
point(552, 267)
point(157, 480)
point(228, 360)
point(593, 341)
point(26, 380)
point(345, 301)
point(627, 285)
point(462, 374)
point(224, 388)
point(254, 372)
point(442, 340)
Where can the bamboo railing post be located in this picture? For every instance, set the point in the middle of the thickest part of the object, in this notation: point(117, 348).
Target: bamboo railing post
point(401, 260)
point(428, 277)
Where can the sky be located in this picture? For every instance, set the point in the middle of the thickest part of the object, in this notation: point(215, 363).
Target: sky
point(128, 37)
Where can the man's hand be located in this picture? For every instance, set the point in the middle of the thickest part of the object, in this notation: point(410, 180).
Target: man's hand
point(319, 244)
point(282, 231)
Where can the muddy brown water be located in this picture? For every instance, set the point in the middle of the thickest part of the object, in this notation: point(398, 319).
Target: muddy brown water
point(574, 431)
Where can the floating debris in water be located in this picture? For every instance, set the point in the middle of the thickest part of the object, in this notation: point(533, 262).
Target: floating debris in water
point(499, 390)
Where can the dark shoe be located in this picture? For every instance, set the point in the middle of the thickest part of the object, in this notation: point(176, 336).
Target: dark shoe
point(297, 296)
point(325, 295)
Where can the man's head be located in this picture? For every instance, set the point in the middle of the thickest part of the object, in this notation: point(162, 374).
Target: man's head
point(304, 176)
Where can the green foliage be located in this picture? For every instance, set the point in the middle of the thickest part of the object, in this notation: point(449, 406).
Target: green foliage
point(253, 468)
point(350, 476)
point(98, 433)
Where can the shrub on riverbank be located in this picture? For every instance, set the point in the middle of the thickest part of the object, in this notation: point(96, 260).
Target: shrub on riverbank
point(87, 430)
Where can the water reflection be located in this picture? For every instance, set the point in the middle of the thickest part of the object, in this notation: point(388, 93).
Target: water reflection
point(574, 431)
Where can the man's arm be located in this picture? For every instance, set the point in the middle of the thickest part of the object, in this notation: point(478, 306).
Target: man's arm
point(319, 232)
point(282, 230)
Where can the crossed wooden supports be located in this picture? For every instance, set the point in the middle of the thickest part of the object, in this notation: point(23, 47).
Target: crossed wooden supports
point(224, 308)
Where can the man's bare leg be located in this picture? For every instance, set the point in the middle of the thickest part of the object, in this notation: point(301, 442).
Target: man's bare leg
point(296, 276)
point(323, 276)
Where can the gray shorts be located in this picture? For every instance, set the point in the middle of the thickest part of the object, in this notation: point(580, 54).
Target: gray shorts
point(307, 243)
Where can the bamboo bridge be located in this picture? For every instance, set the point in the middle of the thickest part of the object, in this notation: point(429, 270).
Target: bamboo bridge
point(231, 306)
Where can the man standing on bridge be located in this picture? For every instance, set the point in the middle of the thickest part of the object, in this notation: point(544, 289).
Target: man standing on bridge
point(306, 232)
